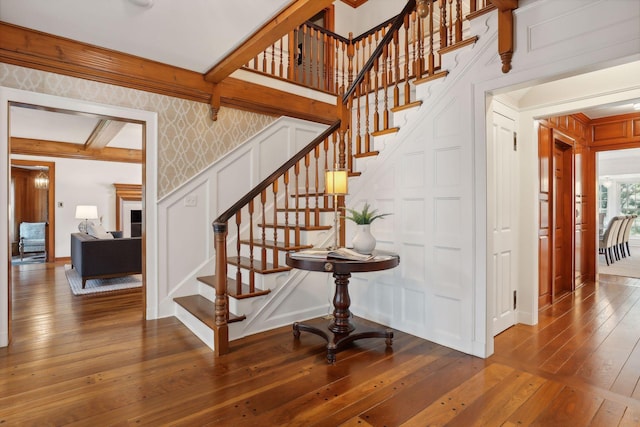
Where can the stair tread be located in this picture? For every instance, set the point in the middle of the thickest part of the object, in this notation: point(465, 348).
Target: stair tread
point(301, 227)
point(204, 310)
point(232, 288)
point(303, 210)
point(434, 76)
point(385, 131)
point(256, 266)
point(408, 106)
point(270, 244)
point(367, 154)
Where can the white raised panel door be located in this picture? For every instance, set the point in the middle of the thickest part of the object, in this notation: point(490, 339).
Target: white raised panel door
point(502, 210)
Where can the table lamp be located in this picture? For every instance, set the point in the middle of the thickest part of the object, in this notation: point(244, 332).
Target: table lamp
point(85, 213)
point(336, 184)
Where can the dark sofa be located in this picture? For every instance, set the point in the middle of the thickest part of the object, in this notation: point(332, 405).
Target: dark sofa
point(103, 258)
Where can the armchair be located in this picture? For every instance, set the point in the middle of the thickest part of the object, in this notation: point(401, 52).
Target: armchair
point(32, 238)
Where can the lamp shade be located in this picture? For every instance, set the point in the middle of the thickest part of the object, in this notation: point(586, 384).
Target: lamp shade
point(336, 182)
point(86, 212)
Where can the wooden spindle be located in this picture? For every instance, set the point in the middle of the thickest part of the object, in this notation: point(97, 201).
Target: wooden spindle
point(310, 55)
point(307, 202)
point(396, 69)
point(274, 251)
point(376, 115)
point(385, 87)
point(367, 132)
point(273, 59)
point(443, 23)
point(350, 54)
point(281, 64)
point(431, 34)
point(287, 236)
point(451, 19)
point(291, 57)
point(252, 276)
point(238, 270)
point(316, 186)
point(458, 21)
point(407, 88)
point(263, 253)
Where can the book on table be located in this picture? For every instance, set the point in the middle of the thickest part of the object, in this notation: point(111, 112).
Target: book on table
point(340, 253)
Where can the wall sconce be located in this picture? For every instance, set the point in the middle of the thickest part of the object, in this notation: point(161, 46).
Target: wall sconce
point(42, 180)
point(422, 7)
point(336, 184)
point(85, 213)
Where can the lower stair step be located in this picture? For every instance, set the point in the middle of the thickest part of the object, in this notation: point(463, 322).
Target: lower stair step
point(269, 244)
point(232, 288)
point(256, 265)
point(204, 310)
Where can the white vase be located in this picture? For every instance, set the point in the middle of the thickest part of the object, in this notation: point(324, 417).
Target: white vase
point(364, 242)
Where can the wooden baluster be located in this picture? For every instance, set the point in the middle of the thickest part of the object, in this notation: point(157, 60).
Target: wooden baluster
point(310, 55)
point(443, 23)
point(255, 62)
point(473, 6)
point(367, 132)
point(407, 88)
point(287, 237)
point(458, 21)
point(274, 251)
point(358, 144)
point(414, 30)
point(385, 87)
point(326, 147)
point(350, 54)
point(307, 201)
point(326, 66)
point(420, 31)
point(319, 67)
point(376, 116)
point(252, 276)
point(432, 57)
point(281, 64)
point(396, 69)
point(451, 19)
point(291, 57)
point(297, 202)
point(238, 270)
point(302, 61)
point(264, 62)
point(316, 153)
point(273, 59)
point(263, 253)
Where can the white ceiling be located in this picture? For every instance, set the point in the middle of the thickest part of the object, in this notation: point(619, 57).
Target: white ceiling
point(191, 34)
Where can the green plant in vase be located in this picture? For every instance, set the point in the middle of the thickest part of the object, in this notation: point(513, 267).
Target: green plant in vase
point(364, 242)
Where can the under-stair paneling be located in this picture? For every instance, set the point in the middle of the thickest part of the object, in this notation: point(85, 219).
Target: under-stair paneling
point(185, 216)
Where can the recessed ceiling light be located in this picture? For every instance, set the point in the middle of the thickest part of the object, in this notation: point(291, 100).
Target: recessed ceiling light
point(636, 106)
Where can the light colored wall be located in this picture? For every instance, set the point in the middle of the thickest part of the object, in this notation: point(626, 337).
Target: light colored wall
point(85, 182)
point(365, 17)
point(189, 140)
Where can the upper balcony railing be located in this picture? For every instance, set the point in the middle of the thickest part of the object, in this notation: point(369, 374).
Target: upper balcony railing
point(320, 59)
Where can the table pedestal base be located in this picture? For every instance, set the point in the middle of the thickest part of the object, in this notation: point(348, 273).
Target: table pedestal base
point(337, 341)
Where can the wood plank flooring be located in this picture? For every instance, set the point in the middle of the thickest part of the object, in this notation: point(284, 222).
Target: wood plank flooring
point(93, 361)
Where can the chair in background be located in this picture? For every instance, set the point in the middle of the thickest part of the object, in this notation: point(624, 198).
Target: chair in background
point(609, 239)
point(618, 247)
point(33, 238)
point(627, 233)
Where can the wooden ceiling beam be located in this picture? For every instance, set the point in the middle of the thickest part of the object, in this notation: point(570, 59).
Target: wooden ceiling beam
point(287, 20)
point(103, 134)
point(39, 147)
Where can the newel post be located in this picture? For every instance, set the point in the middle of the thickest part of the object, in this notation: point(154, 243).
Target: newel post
point(221, 330)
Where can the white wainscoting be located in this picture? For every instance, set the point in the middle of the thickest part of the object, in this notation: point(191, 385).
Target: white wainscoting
point(185, 215)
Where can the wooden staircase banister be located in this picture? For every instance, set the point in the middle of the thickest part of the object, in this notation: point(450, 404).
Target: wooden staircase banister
point(397, 23)
point(253, 193)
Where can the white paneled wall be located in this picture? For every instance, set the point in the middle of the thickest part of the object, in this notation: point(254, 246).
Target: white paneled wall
point(185, 216)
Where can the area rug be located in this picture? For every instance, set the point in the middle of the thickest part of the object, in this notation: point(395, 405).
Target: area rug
point(94, 286)
point(628, 267)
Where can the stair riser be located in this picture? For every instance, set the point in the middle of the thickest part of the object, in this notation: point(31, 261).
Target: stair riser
point(202, 331)
point(306, 238)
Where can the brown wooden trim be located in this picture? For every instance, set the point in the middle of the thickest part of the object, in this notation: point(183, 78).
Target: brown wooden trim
point(247, 96)
point(287, 20)
point(39, 147)
point(505, 31)
point(34, 49)
point(354, 3)
point(126, 192)
point(51, 202)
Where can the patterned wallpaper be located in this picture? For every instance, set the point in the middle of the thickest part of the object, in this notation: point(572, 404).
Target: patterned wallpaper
point(188, 140)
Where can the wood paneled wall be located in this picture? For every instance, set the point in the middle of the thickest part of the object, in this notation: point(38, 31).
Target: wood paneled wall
point(616, 132)
point(574, 130)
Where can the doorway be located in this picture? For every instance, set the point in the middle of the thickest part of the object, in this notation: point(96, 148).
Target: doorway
point(31, 199)
point(149, 121)
point(562, 220)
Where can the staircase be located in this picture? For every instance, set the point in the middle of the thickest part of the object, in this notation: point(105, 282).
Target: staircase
point(289, 210)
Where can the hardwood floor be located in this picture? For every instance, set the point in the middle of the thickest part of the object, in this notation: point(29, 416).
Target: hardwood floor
point(93, 361)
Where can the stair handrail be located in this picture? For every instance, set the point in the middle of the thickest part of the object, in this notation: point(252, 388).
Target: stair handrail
point(254, 192)
point(377, 52)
